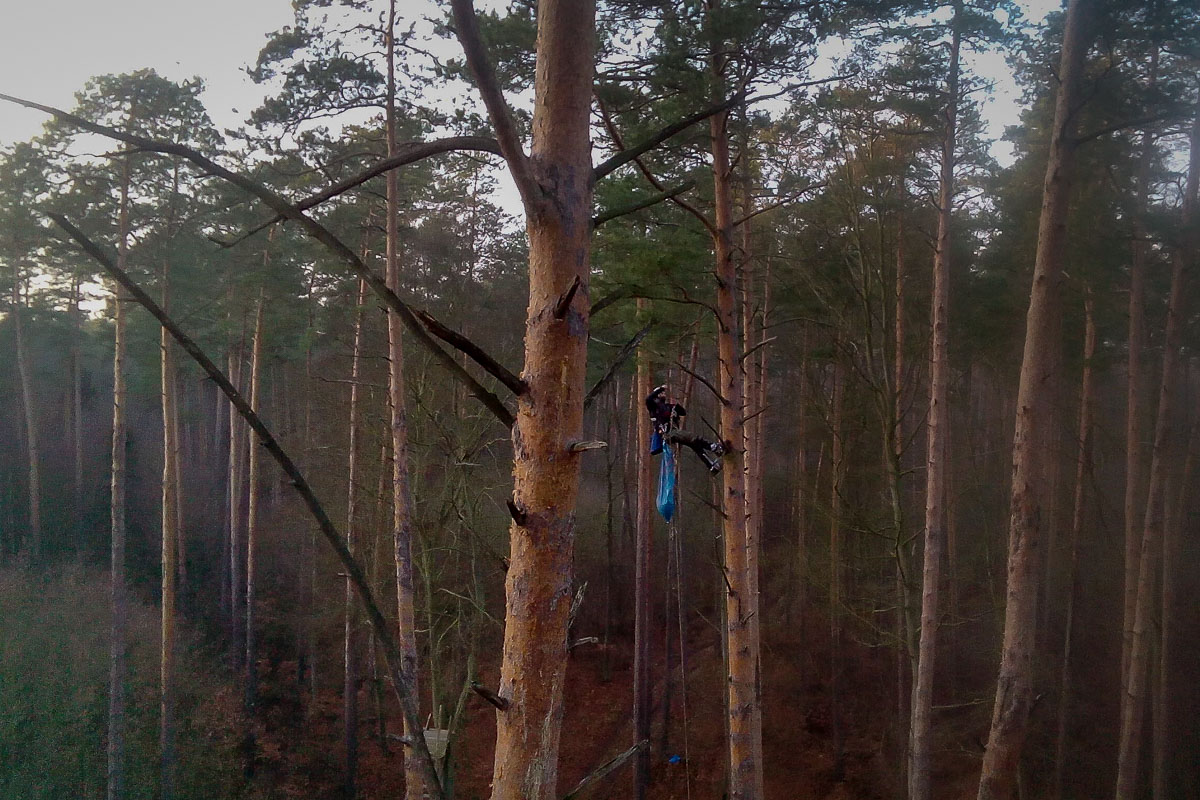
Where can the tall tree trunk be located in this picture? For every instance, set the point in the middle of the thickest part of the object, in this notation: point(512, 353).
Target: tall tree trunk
point(1135, 499)
point(116, 664)
point(350, 638)
point(1164, 713)
point(402, 517)
point(170, 541)
point(920, 739)
point(838, 452)
point(252, 524)
point(1014, 688)
point(33, 462)
point(76, 408)
point(237, 455)
point(1133, 699)
point(643, 550)
point(1086, 401)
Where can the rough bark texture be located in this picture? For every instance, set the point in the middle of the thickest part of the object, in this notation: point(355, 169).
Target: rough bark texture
point(1014, 687)
point(920, 737)
point(1134, 698)
point(643, 546)
point(556, 185)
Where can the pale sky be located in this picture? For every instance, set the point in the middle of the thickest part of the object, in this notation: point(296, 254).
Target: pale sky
point(49, 48)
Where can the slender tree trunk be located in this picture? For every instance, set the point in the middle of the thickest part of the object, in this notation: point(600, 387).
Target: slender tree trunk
point(254, 478)
point(1135, 497)
point(77, 408)
point(1086, 401)
point(170, 542)
point(643, 548)
point(1164, 713)
point(1014, 689)
point(1133, 699)
point(350, 638)
point(835, 566)
point(402, 518)
point(31, 431)
point(920, 739)
point(116, 667)
point(237, 451)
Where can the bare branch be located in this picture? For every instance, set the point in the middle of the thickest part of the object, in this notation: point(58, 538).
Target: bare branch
point(625, 155)
point(311, 227)
point(716, 392)
point(622, 356)
point(466, 27)
point(410, 153)
point(401, 682)
point(474, 351)
point(646, 202)
point(783, 201)
point(604, 769)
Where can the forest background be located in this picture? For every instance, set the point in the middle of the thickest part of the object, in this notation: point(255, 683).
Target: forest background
point(888, 590)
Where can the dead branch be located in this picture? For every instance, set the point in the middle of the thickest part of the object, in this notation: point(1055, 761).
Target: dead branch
point(622, 356)
point(646, 202)
point(604, 769)
point(474, 351)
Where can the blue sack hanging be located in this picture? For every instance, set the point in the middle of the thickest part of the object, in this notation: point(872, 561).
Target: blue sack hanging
point(656, 443)
point(666, 484)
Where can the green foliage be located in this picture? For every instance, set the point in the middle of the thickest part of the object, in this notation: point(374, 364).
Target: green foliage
point(54, 697)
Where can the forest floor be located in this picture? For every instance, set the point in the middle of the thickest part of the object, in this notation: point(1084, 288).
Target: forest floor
point(799, 756)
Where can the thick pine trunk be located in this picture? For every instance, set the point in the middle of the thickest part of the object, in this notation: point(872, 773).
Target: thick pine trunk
point(1014, 688)
point(538, 586)
point(1134, 698)
point(920, 738)
point(1086, 401)
point(643, 549)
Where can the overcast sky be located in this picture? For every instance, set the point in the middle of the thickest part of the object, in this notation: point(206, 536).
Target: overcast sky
point(49, 48)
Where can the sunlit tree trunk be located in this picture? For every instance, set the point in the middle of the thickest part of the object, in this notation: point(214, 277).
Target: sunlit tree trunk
point(1014, 687)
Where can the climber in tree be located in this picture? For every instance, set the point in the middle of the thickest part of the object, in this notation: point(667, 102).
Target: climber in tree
point(667, 419)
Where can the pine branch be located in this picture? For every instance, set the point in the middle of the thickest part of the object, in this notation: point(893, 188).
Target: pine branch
point(646, 202)
point(622, 356)
point(627, 154)
point(474, 352)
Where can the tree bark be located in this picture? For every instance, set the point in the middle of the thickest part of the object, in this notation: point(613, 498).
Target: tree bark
point(1133, 699)
point(33, 463)
point(1014, 688)
point(838, 452)
point(402, 514)
point(1135, 500)
point(1082, 462)
point(116, 668)
point(252, 523)
point(170, 542)
point(920, 738)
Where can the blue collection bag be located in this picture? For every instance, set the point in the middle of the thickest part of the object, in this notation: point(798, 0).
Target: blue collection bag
point(666, 484)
